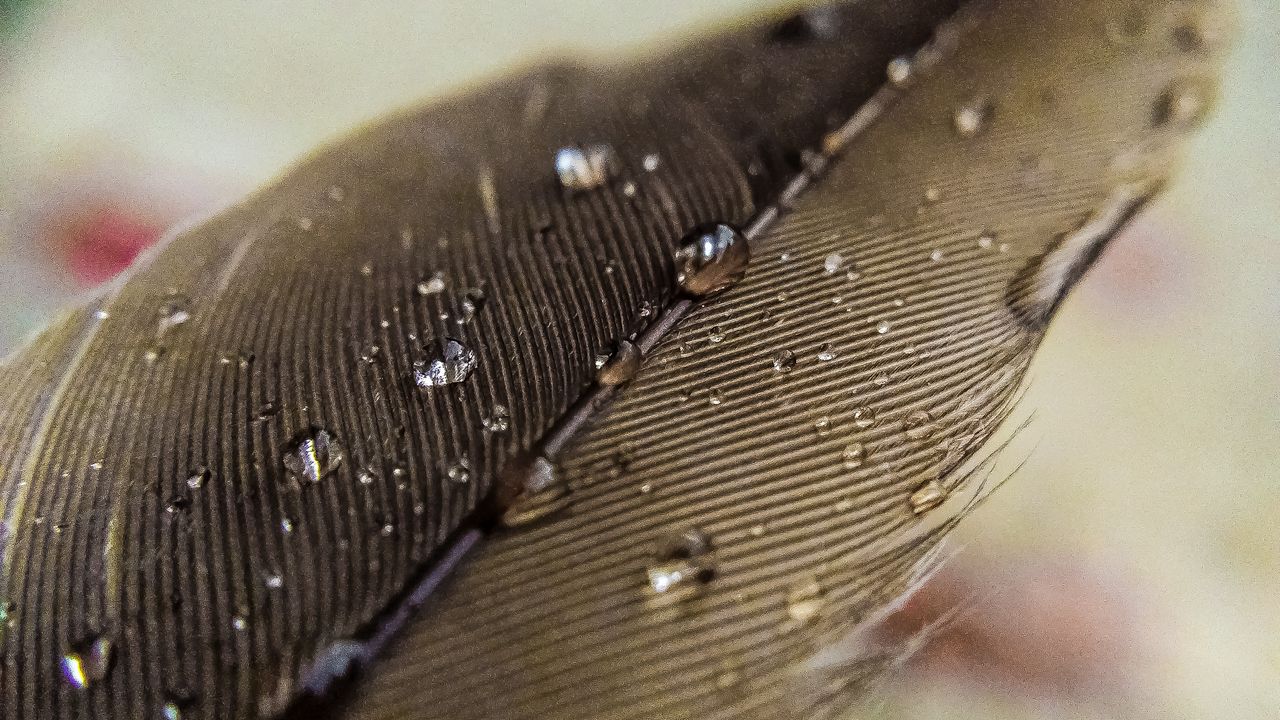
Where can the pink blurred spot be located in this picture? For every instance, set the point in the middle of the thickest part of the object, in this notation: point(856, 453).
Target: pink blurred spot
point(103, 242)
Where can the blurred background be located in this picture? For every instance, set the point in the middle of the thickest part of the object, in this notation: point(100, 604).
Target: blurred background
point(1131, 569)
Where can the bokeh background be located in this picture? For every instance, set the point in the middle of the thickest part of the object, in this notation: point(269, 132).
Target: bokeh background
point(1132, 567)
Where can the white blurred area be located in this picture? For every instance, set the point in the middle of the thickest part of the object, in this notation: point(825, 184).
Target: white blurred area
point(1130, 570)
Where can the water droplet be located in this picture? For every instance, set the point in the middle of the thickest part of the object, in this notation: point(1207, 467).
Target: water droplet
point(919, 425)
point(366, 476)
point(366, 269)
point(239, 623)
point(932, 195)
point(472, 301)
point(274, 581)
point(152, 354)
point(881, 379)
point(711, 258)
point(1184, 103)
point(286, 525)
point(497, 422)
point(681, 570)
point(714, 397)
point(805, 600)
point(936, 256)
point(854, 455)
point(784, 361)
point(198, 478)
point(832, 263)
point(715, 335)
point(827, 352)
point(454, 367)
point(986, 240)
point(822, 426)
point(336, 193)
point(459, 473)
point(971, 118)
point(173, 312)
point(882, 327)
point(544, 495)
point(313, 454)
point(864, 417)
point(650, 162)
point(432, 285)
point(899, 71)
point(927, 497)
point(586, 168)
point(88, 663)
point(305, 223)
point(758, 530)
point(622, 366)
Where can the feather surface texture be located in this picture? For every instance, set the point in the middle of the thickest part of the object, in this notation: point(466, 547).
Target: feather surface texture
point(443, 424)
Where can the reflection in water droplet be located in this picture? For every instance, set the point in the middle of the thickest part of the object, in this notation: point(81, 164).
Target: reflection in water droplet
point(971, 118)
point(313, 454)
point(454, 367)
point(711, 258)
point(899, 71)
point(927, 497)
point(88, 663)
point(432, 285)
point(827, 352)
point(459, 473)
point(853, 455)
point(784, 361)
point(586, 168)
point(805, 600)
point(497, 422)
point(544, 494)
point(919, 425)
point(882, 327)
point(832, 263)
point(622, 366)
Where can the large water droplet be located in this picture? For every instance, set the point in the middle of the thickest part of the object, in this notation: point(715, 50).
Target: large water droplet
point(854, 455)
point(971, 118)
point(784, 361)
point(919, 425)
point(711, 258)
point(805, 600)
point(544, 494)
point(586, 168)
point(822, 426)
point(313, 454)
point(453, 367)
point(864, 417)
point(622, 366)
point(927, 497)
point(88, 663)
point(682, 568)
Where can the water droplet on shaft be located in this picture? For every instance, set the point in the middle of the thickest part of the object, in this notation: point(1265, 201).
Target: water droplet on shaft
point(711, 258)
point(622, 366)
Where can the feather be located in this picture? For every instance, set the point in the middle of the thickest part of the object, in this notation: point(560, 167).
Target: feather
point(373, 384)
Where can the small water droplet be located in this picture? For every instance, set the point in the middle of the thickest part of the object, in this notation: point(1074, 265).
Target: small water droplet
point(681, 570)
point(882, 327)
point(899, 71)
point(650, 162)
point(932, 195)
point(173, 312)
point(881, 379)
point(715, 335)
point(622, 366)
point(472, 301)
point(459, 473)
point(927, 497)
point(919, 425)
point(805, 600)
point(544, 494)
point(336, 193)
point(854, 455)
point(432, 285)
point(498, 421)
point(286, 525)
point(629, 189)
point(239, 623)
point(366, 476)
point(89, 662)
point(864, 417)
point(305, 223)
point(152, 354)
point(971, 118)
point(827, 352)
point(986, 240)
point(198, 478)
point(711, 258)
point(453, 367)
point(784, 361)
point(366, 269)
point(586, 168)
point(274, 581)
point(313, 454)
point(936, 256)
point(1184, 103)
point(832, 263)
point(714, 397)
